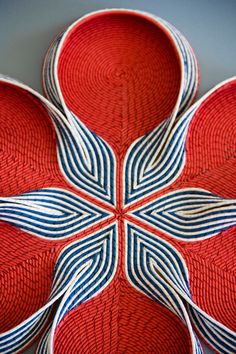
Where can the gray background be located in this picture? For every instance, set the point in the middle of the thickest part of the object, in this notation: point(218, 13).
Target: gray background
point(28, 26)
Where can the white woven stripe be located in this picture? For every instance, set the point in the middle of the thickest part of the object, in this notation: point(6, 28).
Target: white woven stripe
point(50, 213)
point(156, 160)
point(189, 214)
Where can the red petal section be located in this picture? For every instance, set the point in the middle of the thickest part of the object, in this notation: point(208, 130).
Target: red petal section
point(211, 143)
point(119, 72)
point(219, 181)
point(17, 246)
point(25, 276)
point(27, 142)
point(212, 271)
point(121, 320)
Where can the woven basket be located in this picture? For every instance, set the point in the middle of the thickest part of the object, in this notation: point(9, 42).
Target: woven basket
point(117, 200)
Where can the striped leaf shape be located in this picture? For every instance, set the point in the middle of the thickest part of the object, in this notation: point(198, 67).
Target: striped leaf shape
point(21, 336)
point(156, 160)
point(221, 338)
point(50, 212)
point(83, 268)
point(157, 269)
point(189, 214)
point(85, 160)
point(87, 266)
point(147, 258)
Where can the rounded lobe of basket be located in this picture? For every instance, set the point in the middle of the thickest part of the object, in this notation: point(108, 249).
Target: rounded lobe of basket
point(28, 157)
point(119, 320)
point(211, 143)
point(119, 72)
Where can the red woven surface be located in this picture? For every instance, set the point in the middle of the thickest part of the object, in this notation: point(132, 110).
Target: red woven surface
point(28, 143)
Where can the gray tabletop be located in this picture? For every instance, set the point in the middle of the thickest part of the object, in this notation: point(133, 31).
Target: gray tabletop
point(28, 26)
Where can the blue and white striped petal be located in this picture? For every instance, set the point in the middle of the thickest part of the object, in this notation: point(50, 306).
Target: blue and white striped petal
point(50, 213)
point(85, 159)
point(83, 269)
point(218, 336)
point(22, 335)
point(189, 214)
point(156, 160)
point(157, 269)
point(147, 258)
point(87, 266)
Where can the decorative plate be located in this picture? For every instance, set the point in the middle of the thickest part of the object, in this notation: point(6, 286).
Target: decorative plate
point(117, 200)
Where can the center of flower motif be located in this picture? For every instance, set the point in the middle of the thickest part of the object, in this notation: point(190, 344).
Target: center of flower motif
point(119, 213)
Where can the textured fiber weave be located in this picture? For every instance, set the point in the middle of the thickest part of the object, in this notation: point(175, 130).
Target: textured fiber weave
point(118, 197)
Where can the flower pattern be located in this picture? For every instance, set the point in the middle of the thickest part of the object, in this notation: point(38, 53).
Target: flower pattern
point(142, 220)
